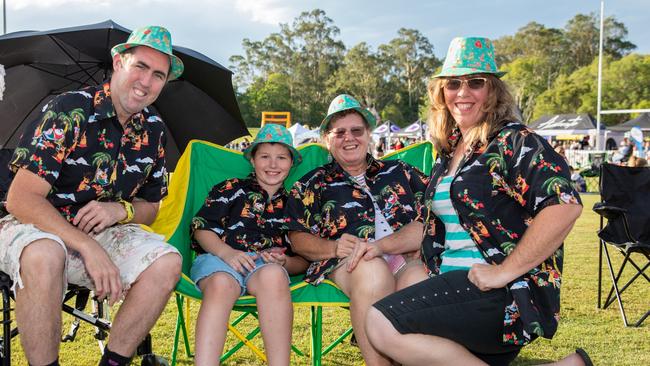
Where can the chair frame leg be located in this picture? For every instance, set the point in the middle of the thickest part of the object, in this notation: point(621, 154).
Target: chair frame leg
point(615, 288)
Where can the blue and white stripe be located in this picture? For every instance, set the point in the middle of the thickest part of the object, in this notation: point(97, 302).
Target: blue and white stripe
point(460, 251)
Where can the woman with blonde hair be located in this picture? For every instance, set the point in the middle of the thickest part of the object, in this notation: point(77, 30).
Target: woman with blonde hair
point(497, 209)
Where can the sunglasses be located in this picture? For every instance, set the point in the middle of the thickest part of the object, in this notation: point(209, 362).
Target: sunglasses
point(473, 83)
point(339, 133)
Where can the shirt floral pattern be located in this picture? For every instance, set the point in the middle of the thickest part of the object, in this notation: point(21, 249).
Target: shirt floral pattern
point(327, 202)
point(80, 148)
point(243, 215)
point(497, 191)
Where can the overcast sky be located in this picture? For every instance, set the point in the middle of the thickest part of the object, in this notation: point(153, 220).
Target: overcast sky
point(216, 28)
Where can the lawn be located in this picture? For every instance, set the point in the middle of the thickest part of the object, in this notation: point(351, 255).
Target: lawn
point(600, 332)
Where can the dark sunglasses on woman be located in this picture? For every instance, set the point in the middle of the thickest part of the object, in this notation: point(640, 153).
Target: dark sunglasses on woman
point(473, 83)
point(339, 133)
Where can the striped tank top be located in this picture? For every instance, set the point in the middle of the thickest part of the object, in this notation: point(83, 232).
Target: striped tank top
point(460, 251)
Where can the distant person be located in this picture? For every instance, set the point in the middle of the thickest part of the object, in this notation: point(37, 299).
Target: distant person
point(498, 207)
point(89, 170)
point(239, 236)
point(578, 181)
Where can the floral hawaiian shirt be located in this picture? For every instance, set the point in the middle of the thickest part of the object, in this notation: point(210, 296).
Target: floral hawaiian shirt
point(497, 191)
point(327, 202)
point(80, 148)
point(244, 216)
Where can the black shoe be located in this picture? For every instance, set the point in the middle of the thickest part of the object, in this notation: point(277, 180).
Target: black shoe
point(353, 341)
point(585, 357)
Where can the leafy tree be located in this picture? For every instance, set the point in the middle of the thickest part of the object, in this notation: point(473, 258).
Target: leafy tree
point(577, 93)
point(363, 75)
point(411, 61)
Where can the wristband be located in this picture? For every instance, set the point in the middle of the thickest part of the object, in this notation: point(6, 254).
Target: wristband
point(130, 211)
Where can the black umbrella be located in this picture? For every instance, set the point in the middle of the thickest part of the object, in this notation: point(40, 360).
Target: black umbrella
point(200, 104)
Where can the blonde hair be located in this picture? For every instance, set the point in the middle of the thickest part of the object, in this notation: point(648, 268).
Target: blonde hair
point(498, 108)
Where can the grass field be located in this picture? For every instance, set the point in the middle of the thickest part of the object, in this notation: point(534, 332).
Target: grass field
point(600, 332)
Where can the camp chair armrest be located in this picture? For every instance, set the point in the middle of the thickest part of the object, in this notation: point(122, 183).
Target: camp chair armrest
point(607, 211)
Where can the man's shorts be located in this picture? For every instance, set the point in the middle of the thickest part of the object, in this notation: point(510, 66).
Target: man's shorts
point(129, 246)
point(208, 264)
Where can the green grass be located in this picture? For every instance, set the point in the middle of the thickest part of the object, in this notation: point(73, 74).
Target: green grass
point(600, 332)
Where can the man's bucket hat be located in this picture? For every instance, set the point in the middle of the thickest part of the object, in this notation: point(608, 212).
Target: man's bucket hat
point(342, 103)
point(155, 37)
point(470, 55)
point(274, 133)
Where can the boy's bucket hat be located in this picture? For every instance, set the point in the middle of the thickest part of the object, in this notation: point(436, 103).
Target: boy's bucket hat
point(274, 133)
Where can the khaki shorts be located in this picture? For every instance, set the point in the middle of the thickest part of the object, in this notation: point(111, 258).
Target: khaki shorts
point(131, 248)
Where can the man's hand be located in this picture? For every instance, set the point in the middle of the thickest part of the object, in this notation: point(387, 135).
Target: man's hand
point(489, 276)
point(274, 255)
point(345, 245)
point(96, 216)
point(241, 262)
point(103, 272)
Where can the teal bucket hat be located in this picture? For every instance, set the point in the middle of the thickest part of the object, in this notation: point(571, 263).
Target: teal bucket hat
point(342, 103)
point(155, 37)
point(470, 55)
point(274, 133)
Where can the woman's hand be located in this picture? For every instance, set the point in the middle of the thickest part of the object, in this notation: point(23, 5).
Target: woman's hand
point(362, 249)
point(274, 255)
point(241, 262)
point(345, 245)
point(489, 276)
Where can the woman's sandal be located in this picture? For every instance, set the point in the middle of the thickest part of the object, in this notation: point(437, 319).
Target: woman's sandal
point(585, 357)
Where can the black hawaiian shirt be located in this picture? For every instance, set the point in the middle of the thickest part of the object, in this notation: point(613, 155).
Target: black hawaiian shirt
point(497, 191)
point(80, 148)
point(243, 215)
point(327, 202)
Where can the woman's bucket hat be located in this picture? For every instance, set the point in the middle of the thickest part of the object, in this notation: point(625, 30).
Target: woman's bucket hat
point(159, 39)
point(470, 55)
point(274, 133)
point(342, 103)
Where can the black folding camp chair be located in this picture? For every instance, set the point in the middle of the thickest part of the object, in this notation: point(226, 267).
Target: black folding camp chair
point(98, 317)
point(625, 198)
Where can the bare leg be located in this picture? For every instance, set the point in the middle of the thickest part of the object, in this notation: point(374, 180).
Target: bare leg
point(369, 282)
point(143, 304)
point(38, 304)
point(570, 360)
point(220, 291)
point(412, 273)
point(415, 349)
point(271, 287)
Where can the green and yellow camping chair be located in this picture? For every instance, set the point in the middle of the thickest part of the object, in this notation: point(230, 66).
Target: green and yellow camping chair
point(203, 165)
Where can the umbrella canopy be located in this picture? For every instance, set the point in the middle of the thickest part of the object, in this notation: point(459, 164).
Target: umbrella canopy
point(642, 122)
point(200, 104)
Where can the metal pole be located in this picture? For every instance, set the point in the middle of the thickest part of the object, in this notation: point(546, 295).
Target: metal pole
point(4, 17)
point(600, 72)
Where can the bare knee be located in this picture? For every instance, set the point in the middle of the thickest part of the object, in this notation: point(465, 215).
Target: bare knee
point(379, 329)
point(165, 271)
point(372, 279)
point(44, 258)
point(218, 286)
point(270, 278)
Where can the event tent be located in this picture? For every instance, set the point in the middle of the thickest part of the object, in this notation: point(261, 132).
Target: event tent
point(564, 124)
point(642, 121)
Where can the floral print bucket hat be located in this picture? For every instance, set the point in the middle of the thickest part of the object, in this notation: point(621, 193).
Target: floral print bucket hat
point(159, 39)
point(342, 103)
point(274, 133)
point(470, 55)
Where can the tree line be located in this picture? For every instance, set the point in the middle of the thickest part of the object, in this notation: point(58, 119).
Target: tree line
point(550, 70)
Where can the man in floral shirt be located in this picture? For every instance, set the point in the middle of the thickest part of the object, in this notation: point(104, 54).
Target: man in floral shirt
point(88, 171)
